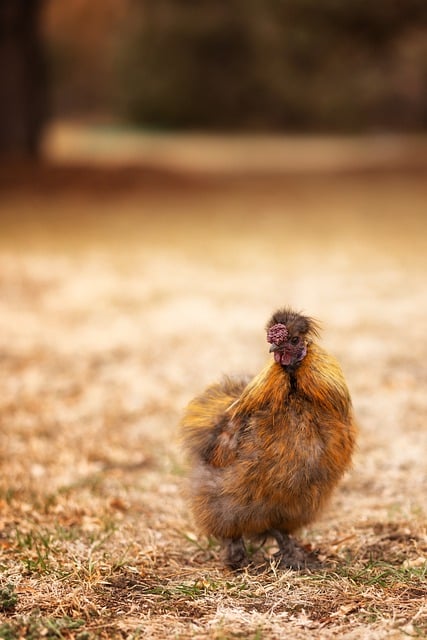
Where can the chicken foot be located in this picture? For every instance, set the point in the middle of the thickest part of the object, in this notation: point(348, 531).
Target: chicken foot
point(291, 555)
point(234, 553)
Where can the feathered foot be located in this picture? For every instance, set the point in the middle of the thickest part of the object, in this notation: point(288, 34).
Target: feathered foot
point(234, 553)
point(291, 555)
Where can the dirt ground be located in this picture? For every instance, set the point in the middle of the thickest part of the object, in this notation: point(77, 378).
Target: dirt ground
point(123, 292)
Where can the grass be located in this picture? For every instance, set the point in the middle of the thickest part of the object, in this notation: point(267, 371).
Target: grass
point(35, 626)
point(114, 313)
point(8, 597)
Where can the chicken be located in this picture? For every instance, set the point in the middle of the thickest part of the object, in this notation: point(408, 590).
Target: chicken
point(265, 453)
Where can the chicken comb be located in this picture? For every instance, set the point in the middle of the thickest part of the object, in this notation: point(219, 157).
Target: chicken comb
point(277, 333)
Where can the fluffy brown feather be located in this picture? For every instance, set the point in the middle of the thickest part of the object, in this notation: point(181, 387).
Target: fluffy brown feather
point(266, 453)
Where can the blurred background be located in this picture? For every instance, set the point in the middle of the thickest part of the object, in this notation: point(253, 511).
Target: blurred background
point(239, 66)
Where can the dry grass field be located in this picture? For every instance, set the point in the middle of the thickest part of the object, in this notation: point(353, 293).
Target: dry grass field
point(122, 294)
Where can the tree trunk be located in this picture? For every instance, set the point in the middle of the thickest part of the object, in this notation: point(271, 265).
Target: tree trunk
point(22, 78)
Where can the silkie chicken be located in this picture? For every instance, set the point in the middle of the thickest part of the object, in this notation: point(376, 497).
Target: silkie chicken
point(266, 452)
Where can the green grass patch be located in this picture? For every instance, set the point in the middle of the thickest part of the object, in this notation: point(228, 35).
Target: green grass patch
point(34, 627)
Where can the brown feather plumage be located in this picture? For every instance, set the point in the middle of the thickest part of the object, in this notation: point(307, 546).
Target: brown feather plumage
point(266, 453)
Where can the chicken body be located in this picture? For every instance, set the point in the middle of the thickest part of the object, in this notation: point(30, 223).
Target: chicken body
point(266, 453)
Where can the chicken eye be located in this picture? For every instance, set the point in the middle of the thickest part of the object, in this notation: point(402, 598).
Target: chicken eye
point(294, 340)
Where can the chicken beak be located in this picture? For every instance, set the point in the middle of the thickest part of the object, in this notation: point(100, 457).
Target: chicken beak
point(273, 347)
